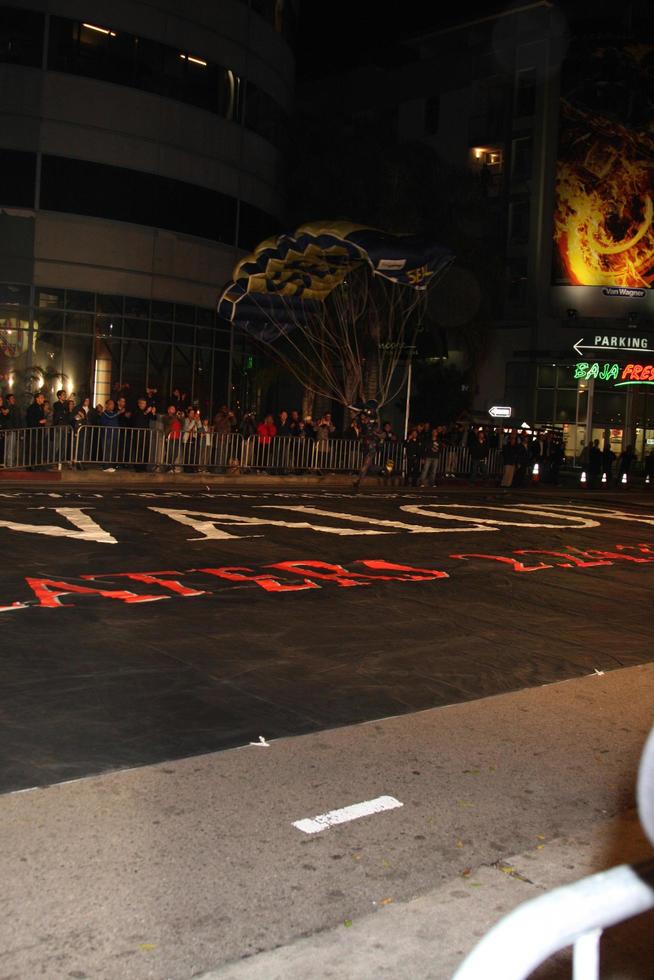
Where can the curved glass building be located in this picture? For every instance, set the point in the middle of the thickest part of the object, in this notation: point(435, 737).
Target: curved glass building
point(140, 153)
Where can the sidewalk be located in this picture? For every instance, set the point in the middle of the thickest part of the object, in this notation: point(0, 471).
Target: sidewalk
point(169, 871)
point(340, 481)
point(428, 938)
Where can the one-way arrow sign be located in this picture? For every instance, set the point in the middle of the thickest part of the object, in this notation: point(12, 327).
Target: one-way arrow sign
point(612, 343)
point(500, 411)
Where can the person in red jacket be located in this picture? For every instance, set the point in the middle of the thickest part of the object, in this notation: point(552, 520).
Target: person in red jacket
point(173, 430)
point(266, 430)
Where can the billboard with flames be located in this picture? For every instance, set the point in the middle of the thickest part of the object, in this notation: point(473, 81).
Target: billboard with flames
point(604, 197)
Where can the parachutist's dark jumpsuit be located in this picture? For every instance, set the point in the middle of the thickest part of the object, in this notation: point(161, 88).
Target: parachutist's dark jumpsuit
point(371, 439)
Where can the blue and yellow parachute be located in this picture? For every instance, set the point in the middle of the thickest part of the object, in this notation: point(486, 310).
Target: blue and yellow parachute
point(288, 277)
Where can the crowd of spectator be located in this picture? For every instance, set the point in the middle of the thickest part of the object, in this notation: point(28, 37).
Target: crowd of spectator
point(436, 450)
point(430, 453)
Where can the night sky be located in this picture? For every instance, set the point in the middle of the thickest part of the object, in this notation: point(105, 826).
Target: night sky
point(346, 33)
point(349, 33)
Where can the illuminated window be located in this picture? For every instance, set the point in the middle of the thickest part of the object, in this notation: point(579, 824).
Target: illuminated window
point(99, 51)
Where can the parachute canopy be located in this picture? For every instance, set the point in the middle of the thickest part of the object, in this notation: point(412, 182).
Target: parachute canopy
point(287, 278)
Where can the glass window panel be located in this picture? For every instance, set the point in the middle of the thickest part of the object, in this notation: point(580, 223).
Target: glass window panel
point(161, 331)
point(14, 347)
point(121, 194)
point(546, 375)
point(525, 96)
point(19, 316)
point(137, 307)
point(107, 350)
point(135, 328)
point(202, 383)
point(21, 37)
point(49, 322)
point(77, 300)
point(565, 376)
point(184, 314)
point(230, 95)
point(106, 53)
point(545, 406)
point(159, 363)
point(206, 318)
point(149, 65)
point(174, 69)
point(161, 310)
point(11, 295)
point(110, 304)
point(204, 337)
point(201, 82)
point(78, 366)
point(566, 406)
point(50, 298)
point(48, 362)
point(83, 323)
point(63, 45)
point(183, 369)
point(522, 152)
point(519, 222)
point(608, 407)
point(184, 335)
point(242, 393)
point(135, 363)
point(109, 326)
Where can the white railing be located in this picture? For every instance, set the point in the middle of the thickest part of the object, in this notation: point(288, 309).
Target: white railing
point(153, 450)
point(573, 915)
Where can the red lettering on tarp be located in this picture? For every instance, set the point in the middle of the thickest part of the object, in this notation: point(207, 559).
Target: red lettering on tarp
point(150, 578)
point(620, 557)
point(415, 574)
point(323, 570)
point(646, 549)
point(266, 582)
point(48, 592)
point(517, 566)
point(571, 561)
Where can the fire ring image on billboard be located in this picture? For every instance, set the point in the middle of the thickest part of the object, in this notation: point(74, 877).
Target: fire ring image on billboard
point(604, 199)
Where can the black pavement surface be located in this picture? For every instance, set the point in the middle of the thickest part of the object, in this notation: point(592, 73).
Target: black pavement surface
point(92, 682)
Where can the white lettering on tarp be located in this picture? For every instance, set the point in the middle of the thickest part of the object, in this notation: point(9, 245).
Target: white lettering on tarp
point(207, 524)
point(358, 518)
point(614, 515)
point(423, 509)
point(87, 528)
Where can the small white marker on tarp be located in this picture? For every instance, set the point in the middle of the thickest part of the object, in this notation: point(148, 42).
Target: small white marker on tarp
point(314, 825)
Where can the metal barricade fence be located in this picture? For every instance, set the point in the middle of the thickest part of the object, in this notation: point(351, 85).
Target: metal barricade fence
point(152, 449)
point(112, 447)
point(49, 445)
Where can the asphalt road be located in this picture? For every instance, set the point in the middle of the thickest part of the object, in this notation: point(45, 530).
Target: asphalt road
point(386, 604)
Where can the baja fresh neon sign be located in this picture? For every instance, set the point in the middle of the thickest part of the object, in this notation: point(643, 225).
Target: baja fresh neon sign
point(631, 374)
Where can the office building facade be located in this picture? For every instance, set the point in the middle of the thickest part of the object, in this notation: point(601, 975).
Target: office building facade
point(141, 152)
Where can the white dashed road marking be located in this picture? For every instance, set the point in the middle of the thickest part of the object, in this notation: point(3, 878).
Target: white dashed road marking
point(314, 825)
